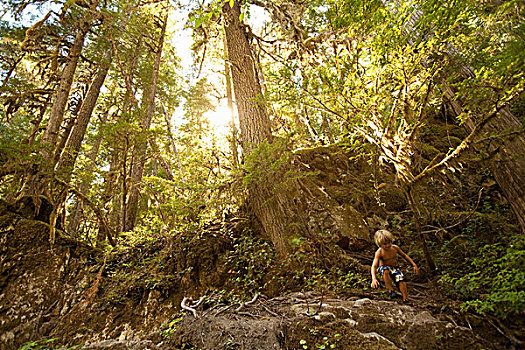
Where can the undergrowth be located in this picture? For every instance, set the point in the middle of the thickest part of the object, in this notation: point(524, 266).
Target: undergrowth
point(496, 283)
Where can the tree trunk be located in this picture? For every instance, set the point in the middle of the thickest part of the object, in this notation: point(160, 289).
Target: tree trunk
point(253, 118)
point(66, 80)
point(269, 208)
point(76, 212)
point(229, 97)
point(140, 149)
point(74, 143)
point(173, 146)
point(508, 162)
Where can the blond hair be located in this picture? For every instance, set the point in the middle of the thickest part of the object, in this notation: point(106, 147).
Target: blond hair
point(383, 237)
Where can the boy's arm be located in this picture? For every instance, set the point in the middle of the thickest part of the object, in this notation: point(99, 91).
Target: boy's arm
point(373, 269)
point(407, 258)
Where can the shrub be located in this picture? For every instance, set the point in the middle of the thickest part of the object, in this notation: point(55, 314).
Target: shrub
point(497, 283)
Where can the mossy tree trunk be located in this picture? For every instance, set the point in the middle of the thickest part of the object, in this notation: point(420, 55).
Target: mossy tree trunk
point(254, 124)
point(74, 142)
point(58, 108)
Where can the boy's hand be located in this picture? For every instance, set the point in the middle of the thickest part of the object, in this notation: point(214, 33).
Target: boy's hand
point(375, 283)
point(416, 270)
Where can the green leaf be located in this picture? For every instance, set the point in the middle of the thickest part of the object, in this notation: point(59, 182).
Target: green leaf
point(198, 22)
point(232, 2)
point(241, 17)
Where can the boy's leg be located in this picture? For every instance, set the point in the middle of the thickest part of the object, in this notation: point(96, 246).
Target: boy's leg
point(403, 289)
point(388, 280)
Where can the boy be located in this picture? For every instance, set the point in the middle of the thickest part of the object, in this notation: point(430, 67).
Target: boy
point(386, 258)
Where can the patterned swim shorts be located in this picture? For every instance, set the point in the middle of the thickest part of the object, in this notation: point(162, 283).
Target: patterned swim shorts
point(395, 273)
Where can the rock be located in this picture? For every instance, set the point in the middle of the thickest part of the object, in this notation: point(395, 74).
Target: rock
point(404, 326)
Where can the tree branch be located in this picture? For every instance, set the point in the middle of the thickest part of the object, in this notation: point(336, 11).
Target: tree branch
point(97, 211)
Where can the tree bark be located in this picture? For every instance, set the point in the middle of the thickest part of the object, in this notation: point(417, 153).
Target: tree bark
point(140, 149)
point(74, 142)
point(253, 118)
point(66, 79)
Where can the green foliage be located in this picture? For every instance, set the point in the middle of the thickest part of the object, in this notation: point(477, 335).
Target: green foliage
point(497, 282)
point(271, 162)
point(381, 74)
point(202, 16)
point(253, 268)
point(326, 342)
point(265, 161)
point(335, 280)
point(251, 261)
point(172, 326)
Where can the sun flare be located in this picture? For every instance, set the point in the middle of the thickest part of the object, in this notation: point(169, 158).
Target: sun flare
point(220, 118)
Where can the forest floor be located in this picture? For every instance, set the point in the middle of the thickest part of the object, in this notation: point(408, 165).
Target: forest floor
point(69, 294)
point(315, 321)
point(137, 295)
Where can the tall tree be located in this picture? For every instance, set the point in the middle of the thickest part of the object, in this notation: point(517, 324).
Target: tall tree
point(271, 196)
point(74, 142)
point(139, 153)
point(67, 75)
point(254, 121)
